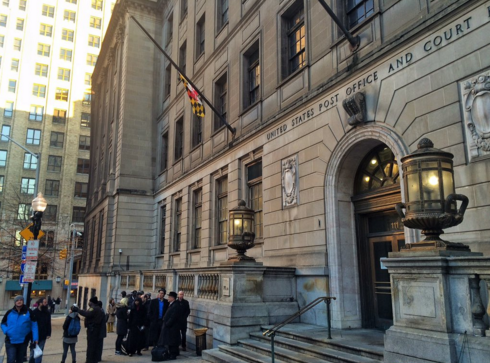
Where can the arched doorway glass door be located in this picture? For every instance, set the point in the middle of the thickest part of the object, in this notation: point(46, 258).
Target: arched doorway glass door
point(379, 232)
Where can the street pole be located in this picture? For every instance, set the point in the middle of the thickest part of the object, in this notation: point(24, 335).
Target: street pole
point(70, 273)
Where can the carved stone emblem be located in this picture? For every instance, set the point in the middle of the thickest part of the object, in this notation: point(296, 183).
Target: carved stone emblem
point(476, 98)
point(290, 182)
point(355, 106)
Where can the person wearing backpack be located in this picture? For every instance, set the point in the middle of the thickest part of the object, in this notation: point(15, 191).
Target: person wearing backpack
point(71, 329)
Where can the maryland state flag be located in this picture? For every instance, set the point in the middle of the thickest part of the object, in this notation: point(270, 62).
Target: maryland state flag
point(197, 106)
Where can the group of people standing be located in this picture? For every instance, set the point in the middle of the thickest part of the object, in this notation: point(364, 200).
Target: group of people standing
point(151, 322)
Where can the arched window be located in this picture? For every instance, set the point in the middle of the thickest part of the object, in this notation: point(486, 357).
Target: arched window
point(378, 169)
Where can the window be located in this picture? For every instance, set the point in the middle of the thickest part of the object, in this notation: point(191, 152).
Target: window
point(17, 44)
point(81, 190)
point(197, 218)
point(50, 213)
point(22, 5)
point(167, 86)
point(66, 54)
point(178, 219)
point(20, 24)
point(48, 11)
point(254, 183)
point(84, 143)
point(78, 215)
point(61, 94)
point(57, 139)
point(2, 40)
point(12, 85)
point(9, 109)
point(163, 221)
point(43, 49)
point(222, 210)
point(179, 138)
point(36, 113)
point(170, 28)
point(358, 10)
point(6, 132)
point(83, 166)
point(294, 25)
point(64, 74)
point(196, 130)
point(252, 77)
point(88, 79)
point(71, 1)
point(33, 137)
point(87, 99)
point(95, 22)
point(2, 180)
point(85, 120)
point(183, 9)
point(24, 211)
point(59, 116)
point(46, 30)
point(47, 241)
point(221, 91)
point(200, 36)
point(54, 163)
point(14, 66)
point(27, 185)
point(6, 2)
point(39, 90)
point(3, 158)
point(222, 13)
point(97, 4)
point(91, 59)
point(164, 156)
point(41, 70)
point(67, 35)
point(52, 188)
point(30, 162)
point(183, 57)
point(3, 20)
point(69, 15)
point(94, 41)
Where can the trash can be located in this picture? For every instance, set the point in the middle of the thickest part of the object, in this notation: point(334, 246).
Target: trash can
point(200, 340)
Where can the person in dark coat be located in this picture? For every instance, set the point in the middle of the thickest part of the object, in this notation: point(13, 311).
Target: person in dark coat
point(122, 323)
point(94, 319)
point(103, 332)
point(170, 335)
point(43, 318)
point(158, 308)
point(137, 320)
point(146, 305)
point(185, 311)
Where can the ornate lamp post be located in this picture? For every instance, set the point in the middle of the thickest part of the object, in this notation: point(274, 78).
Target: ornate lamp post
point(241, 231)
point(430, 197)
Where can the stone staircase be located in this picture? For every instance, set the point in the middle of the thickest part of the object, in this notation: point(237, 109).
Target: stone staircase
point(299, 343)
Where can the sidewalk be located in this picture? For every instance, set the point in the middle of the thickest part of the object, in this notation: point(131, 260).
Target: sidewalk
point(54, 348)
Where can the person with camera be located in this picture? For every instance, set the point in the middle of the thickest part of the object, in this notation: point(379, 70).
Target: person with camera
point(137, 320)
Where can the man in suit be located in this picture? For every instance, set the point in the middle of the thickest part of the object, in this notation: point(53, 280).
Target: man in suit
point(170, 336)
point(184, 314)
point(157, 309)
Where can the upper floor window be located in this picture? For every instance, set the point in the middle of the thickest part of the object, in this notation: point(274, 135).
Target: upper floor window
point(197, 218)
point(252, 75)
point(59, 116)
point(179, 138)
point(87, 99)
point(164, 153)
point(66, 54)
point(71, 1)
point(183, 57)
point(50, 213)
point(24, 212)
point(222, 210)
point(3, 158)
point(41, 70)
point(168, 81)
point(221, 96)
point(6, 132)
point(57, 139)
point(81, 190)
point(358, 10)
point(69, 15)
point(170, 28)
point(22, 5)
point(94, 41)
point(254, 184)
point(20, 24)
point(163, 222)
point(64, 74)
point(43, 49)
point(78, 215)
point(200, 36)
point(196, 130)
point(39, 90)
point(12, 85)
point(52, 188)
point(17, 44)
point(14, 66)
point(48, 11)
point(36, 113)
point(91, 59)
point(2, 40)
point(296, 38)
point(95, 22)
point(27, 185)
point(222, 15)
point(46, 30)
point(68, 35)
point(97, 4)
point(61, 94)
point(33, 137)
point(83, 166)
point(84, 142)
point(54, 163)
point(9, 109)
point(85, 120)
point(183, 9)
point(178, 224)
point(30, 162)
point(3, 20)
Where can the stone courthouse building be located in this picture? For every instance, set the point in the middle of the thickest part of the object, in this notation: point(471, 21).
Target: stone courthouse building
point(320, 132)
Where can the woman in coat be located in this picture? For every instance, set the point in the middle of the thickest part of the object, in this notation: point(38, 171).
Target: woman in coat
point(137, 320)
point(111, 312)
point(122, 323)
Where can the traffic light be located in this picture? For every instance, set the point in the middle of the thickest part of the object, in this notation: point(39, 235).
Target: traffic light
point(63, 254)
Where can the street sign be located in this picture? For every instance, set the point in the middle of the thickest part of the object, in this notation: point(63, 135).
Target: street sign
point(22, 266)
point(30, 271)
point(28, 235)
point(32, 249)
point(21, 279)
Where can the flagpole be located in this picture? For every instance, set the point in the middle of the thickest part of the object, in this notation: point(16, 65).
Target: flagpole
point(232, 129)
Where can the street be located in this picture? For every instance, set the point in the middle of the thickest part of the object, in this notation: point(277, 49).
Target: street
point(54, 348)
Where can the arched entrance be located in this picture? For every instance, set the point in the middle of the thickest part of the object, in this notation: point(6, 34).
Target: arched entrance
point(345, 215)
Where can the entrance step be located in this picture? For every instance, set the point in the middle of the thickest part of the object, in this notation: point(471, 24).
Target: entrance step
point(298, 343)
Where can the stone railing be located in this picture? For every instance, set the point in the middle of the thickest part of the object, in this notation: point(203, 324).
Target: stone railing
point(147, 282)
point(187, 283)
point(160, 282)
point(208, 286)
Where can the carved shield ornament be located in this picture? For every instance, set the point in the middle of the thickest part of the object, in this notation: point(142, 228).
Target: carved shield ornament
point(289, 182)
point(477, 104)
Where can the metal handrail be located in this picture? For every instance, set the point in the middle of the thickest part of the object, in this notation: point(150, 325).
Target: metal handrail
point(272, 331)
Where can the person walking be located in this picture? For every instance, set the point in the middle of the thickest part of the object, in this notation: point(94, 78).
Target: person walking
point(57, 306)
point(94, 318)
point(51, 305)
point(170, 335)
point(102, 333)
point(184, 314)
point(17, 325)
point(43, 318)
point(137, 320)
point(70, 334)
point(111, 318)
point(158, 308)
point(122, 323)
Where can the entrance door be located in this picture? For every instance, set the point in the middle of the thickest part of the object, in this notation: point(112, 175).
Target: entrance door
point(381, 286)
